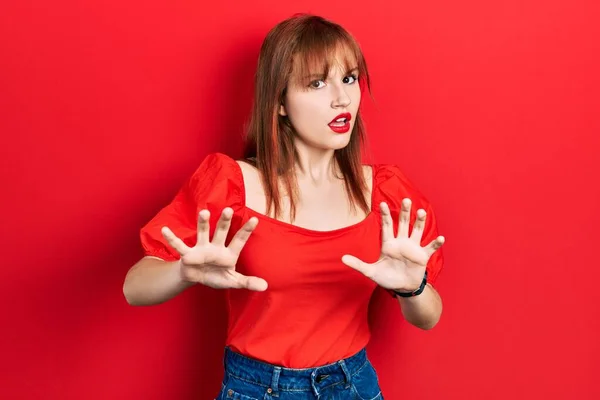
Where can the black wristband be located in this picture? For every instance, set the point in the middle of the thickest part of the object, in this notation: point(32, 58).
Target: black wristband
point(415, 292)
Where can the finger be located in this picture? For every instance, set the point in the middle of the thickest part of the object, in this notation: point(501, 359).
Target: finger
point(434, 245)
point(250, 282)
point(223, 227)
point(366, 269)
point(404, 218)
point(417, 231)
point(174, 241)
point(241, 236)
point(387, 229)
point(203, 228)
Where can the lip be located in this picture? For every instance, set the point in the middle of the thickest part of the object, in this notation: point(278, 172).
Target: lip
point(346, 115)
point(341, 128)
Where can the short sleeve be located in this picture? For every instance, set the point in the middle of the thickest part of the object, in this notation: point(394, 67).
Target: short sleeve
point(390, 185)
point(217, 183)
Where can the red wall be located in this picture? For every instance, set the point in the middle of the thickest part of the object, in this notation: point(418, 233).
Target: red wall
point(490, 107)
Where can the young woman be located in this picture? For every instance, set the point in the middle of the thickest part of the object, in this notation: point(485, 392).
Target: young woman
point(300, 232)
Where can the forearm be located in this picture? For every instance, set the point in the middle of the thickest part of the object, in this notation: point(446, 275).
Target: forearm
point(153, 281)
point(423, 311)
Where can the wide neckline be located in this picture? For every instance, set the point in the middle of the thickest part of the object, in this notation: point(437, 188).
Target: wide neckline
point(301, 229)
point(313, 232)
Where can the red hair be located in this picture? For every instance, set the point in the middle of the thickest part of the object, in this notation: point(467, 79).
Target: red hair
point(300, 46)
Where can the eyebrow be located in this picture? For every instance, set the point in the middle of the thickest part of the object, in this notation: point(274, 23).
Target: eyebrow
point(320, 76)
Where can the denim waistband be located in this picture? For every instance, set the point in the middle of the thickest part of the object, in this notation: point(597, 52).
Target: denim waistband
point(280, 378)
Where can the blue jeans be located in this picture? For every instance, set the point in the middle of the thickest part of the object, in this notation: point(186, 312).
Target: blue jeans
point(249, 379)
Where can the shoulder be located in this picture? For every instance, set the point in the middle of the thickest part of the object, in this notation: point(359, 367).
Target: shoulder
point(254, 193)
point(368, 172)
point(215, 163)
point(218, 178)
point(251, 176)
point(216, 166)
point(391, 185)
point(246, 167)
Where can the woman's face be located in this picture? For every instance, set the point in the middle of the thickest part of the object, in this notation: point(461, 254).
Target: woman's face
point(323, 111)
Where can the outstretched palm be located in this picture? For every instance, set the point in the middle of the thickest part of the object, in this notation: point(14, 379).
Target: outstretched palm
point(402, 262)
point(212, 263)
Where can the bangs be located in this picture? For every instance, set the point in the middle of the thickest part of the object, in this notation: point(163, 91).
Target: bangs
point(320, 50)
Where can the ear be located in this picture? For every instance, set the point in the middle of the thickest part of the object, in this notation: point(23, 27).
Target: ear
point(282, 111)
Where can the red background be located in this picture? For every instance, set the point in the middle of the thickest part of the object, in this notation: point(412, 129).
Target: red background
point(490, 107)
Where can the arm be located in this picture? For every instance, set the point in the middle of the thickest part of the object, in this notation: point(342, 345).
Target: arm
point(402, 264)
point(153, 281)
point(423, 311)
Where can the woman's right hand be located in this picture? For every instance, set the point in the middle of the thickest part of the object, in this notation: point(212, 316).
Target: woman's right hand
point(211, 263)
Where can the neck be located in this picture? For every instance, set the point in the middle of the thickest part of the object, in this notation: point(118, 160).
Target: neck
point(315, 165)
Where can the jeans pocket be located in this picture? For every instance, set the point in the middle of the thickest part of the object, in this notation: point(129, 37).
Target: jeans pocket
point(233, 395)
point(366, 384)
point(236, 389)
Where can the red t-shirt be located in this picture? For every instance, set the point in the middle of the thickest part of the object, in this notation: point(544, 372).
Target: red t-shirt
point(314, 311)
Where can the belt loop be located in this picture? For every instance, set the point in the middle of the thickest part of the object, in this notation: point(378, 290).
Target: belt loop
point(275, 381)
point(346, 373)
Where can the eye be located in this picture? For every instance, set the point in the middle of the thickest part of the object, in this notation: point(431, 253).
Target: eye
point(350, 79)
point(319, 83)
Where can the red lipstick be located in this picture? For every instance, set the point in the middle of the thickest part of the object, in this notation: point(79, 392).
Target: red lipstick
point(341, 123)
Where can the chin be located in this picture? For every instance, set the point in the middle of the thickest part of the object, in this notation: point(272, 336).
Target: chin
point(340, 141)
point(330, 141)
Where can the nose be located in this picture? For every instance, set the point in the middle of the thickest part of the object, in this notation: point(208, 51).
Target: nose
point(341, 99)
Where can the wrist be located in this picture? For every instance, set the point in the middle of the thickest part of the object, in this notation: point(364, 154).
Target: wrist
point(411, 293)
point(182, 280)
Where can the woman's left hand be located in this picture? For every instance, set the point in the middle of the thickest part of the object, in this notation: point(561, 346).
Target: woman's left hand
point(402, 263)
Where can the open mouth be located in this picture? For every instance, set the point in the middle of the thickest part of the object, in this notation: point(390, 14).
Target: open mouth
point(341, 123)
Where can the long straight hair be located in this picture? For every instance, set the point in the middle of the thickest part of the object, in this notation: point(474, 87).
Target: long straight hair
point(313, 41)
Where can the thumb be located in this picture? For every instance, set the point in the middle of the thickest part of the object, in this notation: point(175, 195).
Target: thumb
point(255, 283)
point(359, 265)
